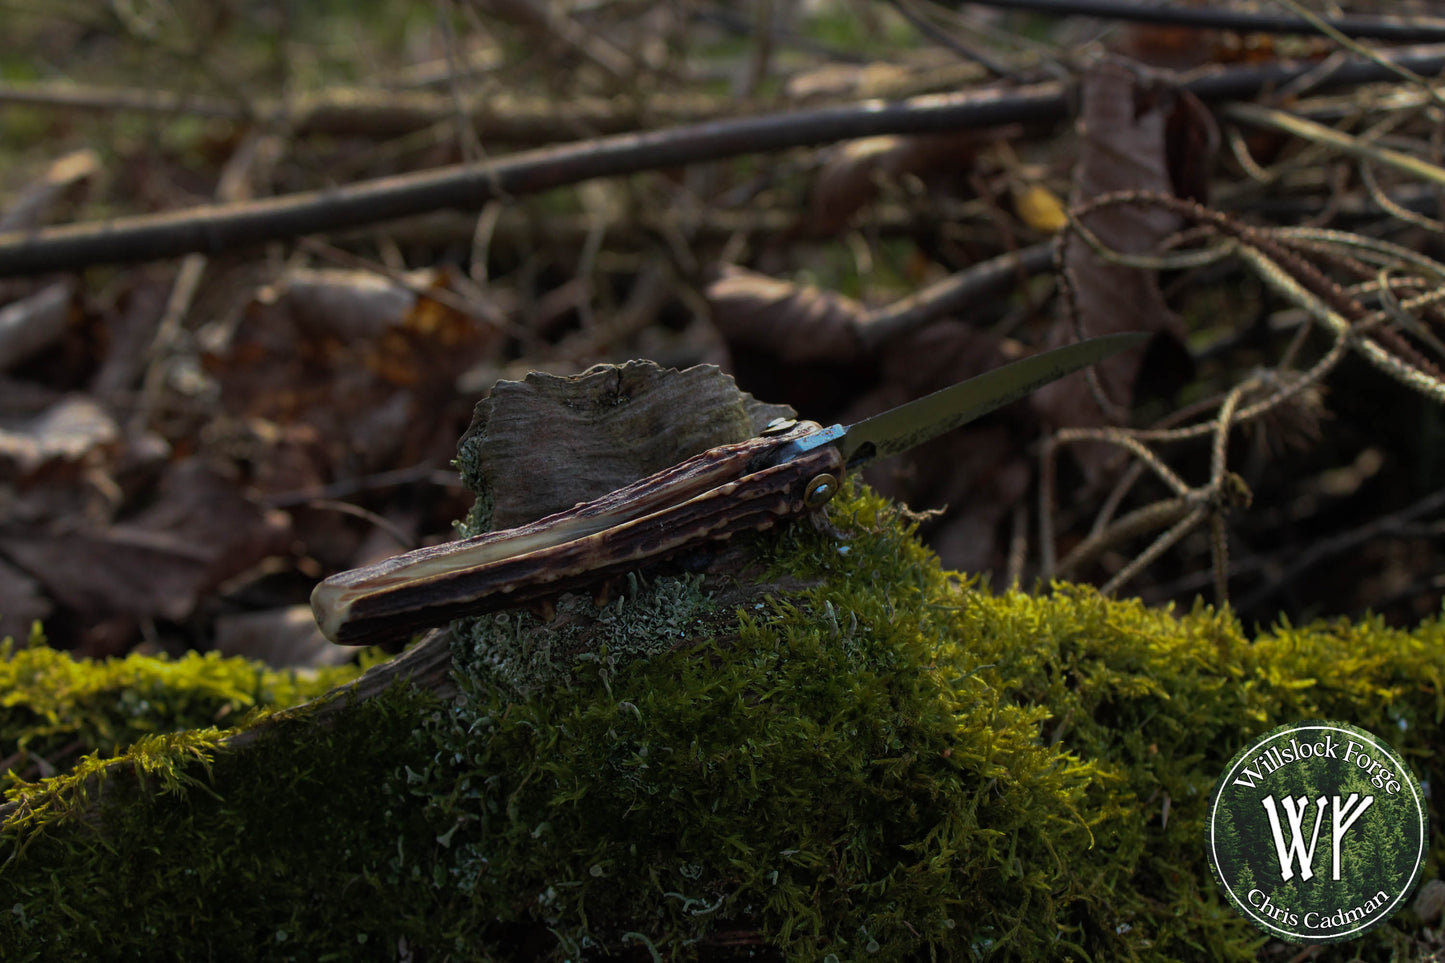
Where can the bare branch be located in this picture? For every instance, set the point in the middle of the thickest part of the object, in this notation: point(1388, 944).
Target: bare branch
point(1400, 29)
point(211, 229)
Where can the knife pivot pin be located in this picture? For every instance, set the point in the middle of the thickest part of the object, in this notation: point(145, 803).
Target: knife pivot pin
point(819, 490)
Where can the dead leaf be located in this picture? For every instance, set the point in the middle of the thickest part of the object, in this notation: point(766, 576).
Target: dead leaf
point(200, 531)
point(119, 569)
point(794, 323)
point(284, 638)
point(342, 303)
point(1039, 207)
point(838, 80)
point(21, 396)
point(1191, 141)
point(32, 324)
point(1168, 47)
point(130, 331)
point(287, 459)
point(1122, 132)
point(69, 430)
point(67, 177)
point(366, 364)
point(21, 603)
point(850, 178)
point(1429, 902)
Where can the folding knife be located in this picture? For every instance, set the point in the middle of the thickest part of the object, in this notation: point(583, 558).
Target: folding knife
point(792, 468)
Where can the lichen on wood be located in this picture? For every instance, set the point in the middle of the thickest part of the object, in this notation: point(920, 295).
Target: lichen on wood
point(539, 446)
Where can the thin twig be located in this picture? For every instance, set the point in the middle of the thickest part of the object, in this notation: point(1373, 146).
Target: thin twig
point(1160, 545)
point(1260, 116)
point(233, 186)
point(973, 52)
point(1275, 257)
point(1150, 518)
point(978, 283)
point(1348, 42)
point(1326, 548)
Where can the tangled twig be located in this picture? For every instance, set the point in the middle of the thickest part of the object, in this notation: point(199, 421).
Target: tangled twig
point(1405, 288)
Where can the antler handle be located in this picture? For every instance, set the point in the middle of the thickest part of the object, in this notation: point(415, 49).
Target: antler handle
point(710, 496)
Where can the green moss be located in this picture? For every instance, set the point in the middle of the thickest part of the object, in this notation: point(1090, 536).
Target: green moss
point(890, 764)
point(55, 708)
point(824, 780)
point(255, 861)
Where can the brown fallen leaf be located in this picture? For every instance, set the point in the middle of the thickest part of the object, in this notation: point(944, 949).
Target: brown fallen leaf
point(343, 303)
point(1191, 141)
point(1168, 47)
point(67, 177)
point(1123, 129)
point(130, 332)
point(200, 531)
point(284, 638)
point(793, 323)
point(33, 323)
point(68, 430)
point(99, 572)
point(849, 179)
point(367, 365)
point(1429, 902)
point(20, 397)
point(22, 602)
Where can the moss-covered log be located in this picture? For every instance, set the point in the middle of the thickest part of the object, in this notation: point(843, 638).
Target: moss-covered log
point(847, 754)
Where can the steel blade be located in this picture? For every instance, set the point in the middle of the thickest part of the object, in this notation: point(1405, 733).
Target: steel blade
point(901, 428)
